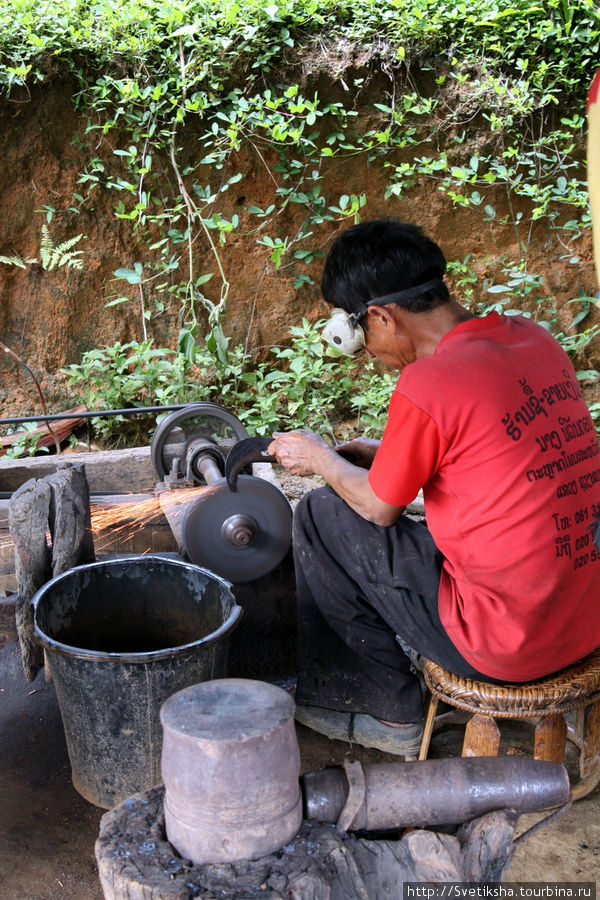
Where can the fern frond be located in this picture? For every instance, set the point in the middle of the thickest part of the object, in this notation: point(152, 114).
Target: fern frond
point(13, 261)
point(62, 255)
point(71, 260)
point(66, 245)
point(46, 247)
point(18, 261)
point(51, 257)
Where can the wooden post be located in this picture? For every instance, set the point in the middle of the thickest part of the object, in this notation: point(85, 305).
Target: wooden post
point(551, 738)
point(69, 519)
point(482, 737)
point(27, 521)
point(58, 503)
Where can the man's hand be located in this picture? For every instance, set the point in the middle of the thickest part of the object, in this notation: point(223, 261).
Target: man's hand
point(304, 453)
point(360, 451)
point(300, 452)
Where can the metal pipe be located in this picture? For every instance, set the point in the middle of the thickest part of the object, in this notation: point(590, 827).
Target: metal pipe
point(92, 413)
point(431, 792)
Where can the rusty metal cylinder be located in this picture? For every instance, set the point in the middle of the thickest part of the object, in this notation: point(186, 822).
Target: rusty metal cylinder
point(431, 792)
point(230, 766)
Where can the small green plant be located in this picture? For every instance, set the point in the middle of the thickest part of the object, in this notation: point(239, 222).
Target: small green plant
point(518, 286)
point(304, 385)
point(136, 276)
point(129, 375)
point(309, 385)
point(370, 400)
point(27, 442)
point(314, 385)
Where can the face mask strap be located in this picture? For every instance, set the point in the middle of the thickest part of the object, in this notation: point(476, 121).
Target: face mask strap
point(407, 294)
point(394, 298)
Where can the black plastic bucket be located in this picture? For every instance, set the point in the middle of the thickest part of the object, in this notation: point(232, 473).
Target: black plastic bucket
point(121, 637)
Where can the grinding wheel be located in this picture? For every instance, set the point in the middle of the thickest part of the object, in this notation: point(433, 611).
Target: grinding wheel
point(178, 431)
point(240, 536)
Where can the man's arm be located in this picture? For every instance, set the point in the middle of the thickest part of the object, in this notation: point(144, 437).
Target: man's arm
point(360, 451)
point(304, 453)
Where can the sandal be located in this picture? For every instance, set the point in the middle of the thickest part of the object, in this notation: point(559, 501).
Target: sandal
point(360, 728)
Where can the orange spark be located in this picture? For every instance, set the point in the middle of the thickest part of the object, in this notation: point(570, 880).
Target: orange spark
point(122, 519)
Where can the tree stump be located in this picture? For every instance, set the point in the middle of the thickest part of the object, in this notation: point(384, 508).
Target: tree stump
point(59, 504)
point(136, 862)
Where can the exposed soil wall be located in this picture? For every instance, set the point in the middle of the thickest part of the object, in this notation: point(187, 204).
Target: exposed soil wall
point(51, 318)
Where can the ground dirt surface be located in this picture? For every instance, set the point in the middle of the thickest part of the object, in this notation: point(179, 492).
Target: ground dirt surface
point(47, 831)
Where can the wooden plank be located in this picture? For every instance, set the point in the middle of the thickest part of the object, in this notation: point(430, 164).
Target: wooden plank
point(590, 750)
point(106, 470)
point(8, 578)
point(69, 519)
point(8, 581)
point(428, 729)
point(60, 503)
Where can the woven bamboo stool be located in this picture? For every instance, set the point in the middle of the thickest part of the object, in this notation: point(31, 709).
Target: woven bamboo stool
point(575, 688)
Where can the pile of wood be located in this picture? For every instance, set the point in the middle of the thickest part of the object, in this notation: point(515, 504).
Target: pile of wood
point(41, 436)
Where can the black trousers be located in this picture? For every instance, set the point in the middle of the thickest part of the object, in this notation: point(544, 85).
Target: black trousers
point(361, 586)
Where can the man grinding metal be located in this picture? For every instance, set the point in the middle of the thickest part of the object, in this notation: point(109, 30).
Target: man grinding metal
point(487, 417)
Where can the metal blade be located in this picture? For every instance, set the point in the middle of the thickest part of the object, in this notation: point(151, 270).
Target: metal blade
point(244, 453)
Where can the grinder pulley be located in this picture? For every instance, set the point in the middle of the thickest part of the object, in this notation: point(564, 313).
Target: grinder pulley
point(240, 535)
point(198, 429)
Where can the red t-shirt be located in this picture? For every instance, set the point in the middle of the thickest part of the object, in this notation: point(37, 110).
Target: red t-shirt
point(495, 430)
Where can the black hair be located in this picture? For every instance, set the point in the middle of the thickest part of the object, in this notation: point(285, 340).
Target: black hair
point(379, 257)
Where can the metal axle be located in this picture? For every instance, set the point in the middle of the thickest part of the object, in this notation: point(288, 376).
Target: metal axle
point(239, 530)
point(208, 466)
